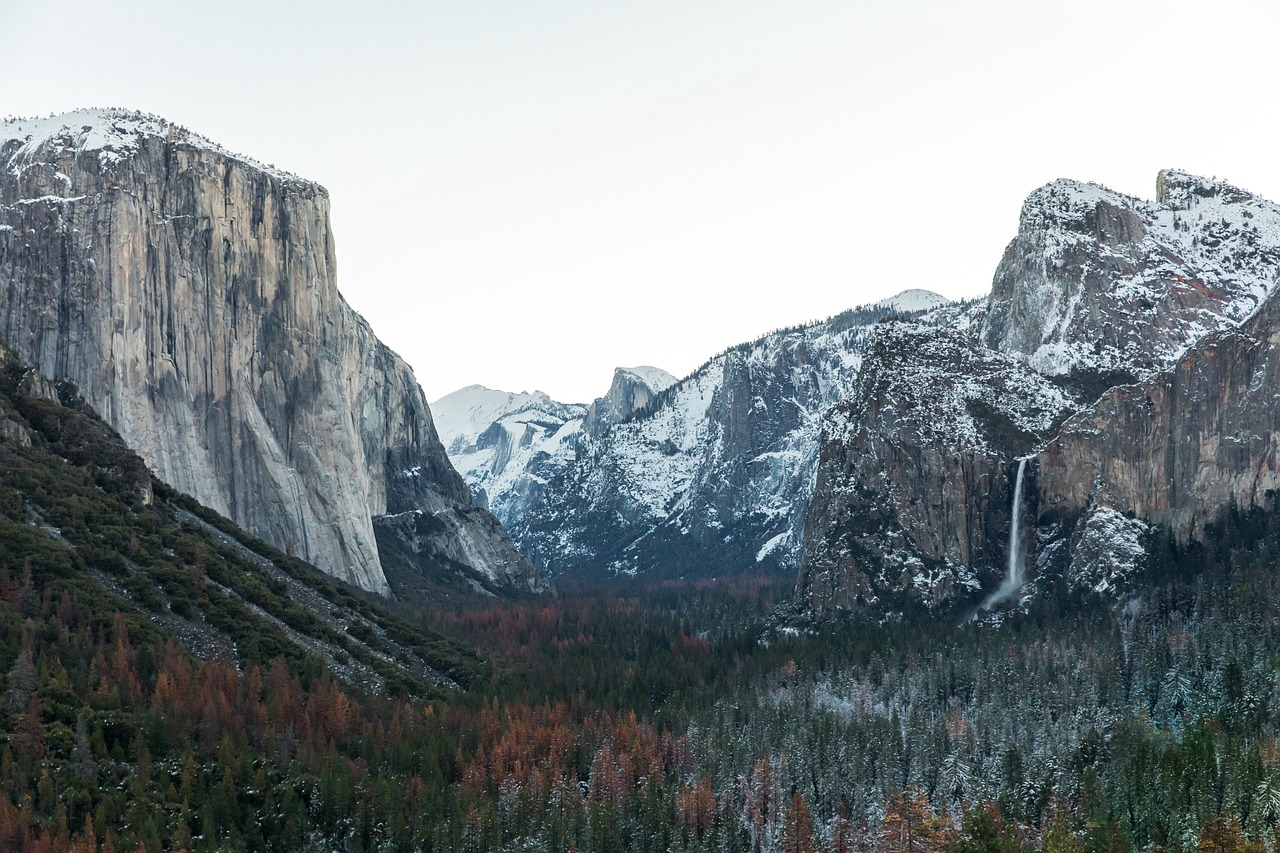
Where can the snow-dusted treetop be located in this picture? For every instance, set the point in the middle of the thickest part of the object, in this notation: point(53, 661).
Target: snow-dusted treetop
point(112, 132)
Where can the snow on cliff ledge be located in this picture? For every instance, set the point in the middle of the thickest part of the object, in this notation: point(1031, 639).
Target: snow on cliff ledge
point(115, 134)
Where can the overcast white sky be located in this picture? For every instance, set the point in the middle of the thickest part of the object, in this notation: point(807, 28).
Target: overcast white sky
point(527, 193)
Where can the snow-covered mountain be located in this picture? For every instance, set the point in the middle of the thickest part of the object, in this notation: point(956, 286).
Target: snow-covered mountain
point(508, 446)
point(1097, 280)
point(914, 301)
point(915, 503)
point(715, 474)
point(632, 389)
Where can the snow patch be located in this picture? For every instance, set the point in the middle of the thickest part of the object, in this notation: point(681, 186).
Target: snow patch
point(914, 300)
point(114, 134)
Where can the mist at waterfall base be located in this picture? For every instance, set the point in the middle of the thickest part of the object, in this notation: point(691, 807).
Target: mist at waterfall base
point(1013, 574)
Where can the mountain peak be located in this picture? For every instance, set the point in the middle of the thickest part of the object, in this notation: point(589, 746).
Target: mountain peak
point(632, 389)
point(655, 379)
point(1178, 190)
point(915, 299)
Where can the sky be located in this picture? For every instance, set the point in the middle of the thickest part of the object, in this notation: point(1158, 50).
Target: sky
point(528, 193)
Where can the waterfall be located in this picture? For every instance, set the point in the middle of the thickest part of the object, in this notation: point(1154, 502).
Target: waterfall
point(1013, 575)
point(1014, 579)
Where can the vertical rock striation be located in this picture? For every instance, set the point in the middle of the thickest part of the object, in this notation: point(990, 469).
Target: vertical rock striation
point(192, 296)
point(632, 389)
point(1181, 447)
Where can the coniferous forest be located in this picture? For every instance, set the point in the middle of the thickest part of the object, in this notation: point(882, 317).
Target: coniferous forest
point(647, 716)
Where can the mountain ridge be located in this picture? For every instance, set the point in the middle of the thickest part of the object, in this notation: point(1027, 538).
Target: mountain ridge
point(712, 476)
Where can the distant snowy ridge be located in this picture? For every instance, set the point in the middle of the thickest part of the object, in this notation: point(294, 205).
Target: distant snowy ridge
point(655, 378)
point(915, 300)
point(716, 475)
point(509, 446)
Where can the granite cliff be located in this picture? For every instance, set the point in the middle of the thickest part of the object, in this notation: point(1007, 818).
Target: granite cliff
point(1111, 351)
point(913, 484)
point(192, 295)
point(632, 389)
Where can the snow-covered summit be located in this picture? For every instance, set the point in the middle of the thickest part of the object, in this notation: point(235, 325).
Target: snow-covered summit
point(114, 134)
point(655, 378)
point(1100, 281)
point(461, 417)
point(508, 446)
point(632, 389)
point(913, 300)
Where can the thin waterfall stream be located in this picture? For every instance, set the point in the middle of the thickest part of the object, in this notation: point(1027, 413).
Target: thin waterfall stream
point(1013, 574)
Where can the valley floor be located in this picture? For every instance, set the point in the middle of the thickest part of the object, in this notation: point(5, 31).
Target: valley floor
point(676, 715)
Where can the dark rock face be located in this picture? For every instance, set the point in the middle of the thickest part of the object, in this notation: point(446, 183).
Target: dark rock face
point(1179, 448)
point(1098, 291)
point(192, 295)
point(914, 486)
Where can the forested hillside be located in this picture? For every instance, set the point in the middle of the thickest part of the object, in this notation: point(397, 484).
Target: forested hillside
point(164, 690)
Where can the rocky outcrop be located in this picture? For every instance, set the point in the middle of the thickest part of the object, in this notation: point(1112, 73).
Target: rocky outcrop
point(1099, 281)
point(632, 389)
point(914, 485)
point(1097, 291)
point(715, 475)
point(191, 294)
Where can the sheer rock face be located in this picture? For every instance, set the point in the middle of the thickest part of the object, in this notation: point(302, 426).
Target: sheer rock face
point(1182, 446)
point(191, 295)
point(632, 389)
point(914, 488)
point(1097, 289)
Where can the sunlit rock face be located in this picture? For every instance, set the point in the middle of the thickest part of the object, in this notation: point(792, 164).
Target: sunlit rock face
point(192, 296)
